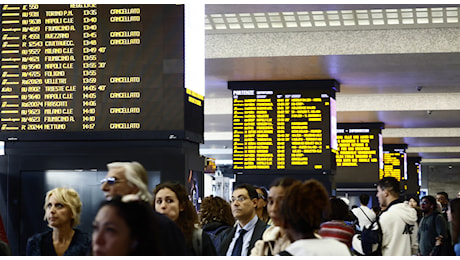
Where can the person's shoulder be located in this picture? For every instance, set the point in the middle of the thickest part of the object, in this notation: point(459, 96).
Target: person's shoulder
point(318, 247)
point(271, 233)
point(82, 236)
point(261, 224)
point(39, 236)
point(163, 221)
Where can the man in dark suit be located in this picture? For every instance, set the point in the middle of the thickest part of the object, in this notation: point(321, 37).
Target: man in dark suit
point(249, 228)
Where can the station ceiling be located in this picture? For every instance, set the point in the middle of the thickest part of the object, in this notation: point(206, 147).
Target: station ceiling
point(396, 64)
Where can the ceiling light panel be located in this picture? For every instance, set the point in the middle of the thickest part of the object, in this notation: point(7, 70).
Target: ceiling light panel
point(333, 20)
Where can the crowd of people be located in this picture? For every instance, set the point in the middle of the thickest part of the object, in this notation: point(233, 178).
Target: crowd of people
point(292, 218)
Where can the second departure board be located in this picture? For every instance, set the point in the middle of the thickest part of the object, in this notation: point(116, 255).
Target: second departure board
point(359, 153)
point(394, 161)
point(79, 71)
point(277, 128)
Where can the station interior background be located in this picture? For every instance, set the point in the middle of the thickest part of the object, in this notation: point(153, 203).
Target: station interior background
point(396, 64)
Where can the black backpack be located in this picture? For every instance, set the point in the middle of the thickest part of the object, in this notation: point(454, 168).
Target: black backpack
point(369, 241)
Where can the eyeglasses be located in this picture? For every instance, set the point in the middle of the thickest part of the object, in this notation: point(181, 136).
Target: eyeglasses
point(111, 180)
point(239, 199)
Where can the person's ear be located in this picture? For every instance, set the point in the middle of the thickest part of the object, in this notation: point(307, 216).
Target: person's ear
point(254, 203)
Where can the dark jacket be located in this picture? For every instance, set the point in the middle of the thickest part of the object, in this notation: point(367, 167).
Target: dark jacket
point(216, 231)
point(172, 240)
point(41, 244)
point(432, 226)
point(259, 229)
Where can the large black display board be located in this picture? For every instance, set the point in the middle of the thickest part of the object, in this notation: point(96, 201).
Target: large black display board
point(82, 71)
point(284, 126)
point(359, 154)
point(394, 161)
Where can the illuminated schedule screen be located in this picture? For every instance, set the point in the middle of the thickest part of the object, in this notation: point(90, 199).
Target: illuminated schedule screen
point(394, 162)
point(359, 152)
point(80, 71)
point(281, 129)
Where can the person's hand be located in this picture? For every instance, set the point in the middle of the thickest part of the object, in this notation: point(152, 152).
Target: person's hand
point(438, 240)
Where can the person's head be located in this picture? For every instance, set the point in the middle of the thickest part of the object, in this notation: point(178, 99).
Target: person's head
point(443, 198)
point(122, 227)
point(171, 199)
point(387, 191)
point(364, 199)
point(275, 196)
point(453, 215)
point(339, 209)
point(458, 194)
point(215, 209)
point(62, 207)
point(302, 209)
point(244, 203)
point(428, 204)
point(125, 178)
point(262, 197)
point(413, 202)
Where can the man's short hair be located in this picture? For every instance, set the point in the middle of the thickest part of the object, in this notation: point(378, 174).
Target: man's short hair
point(390, 184)
point(252, 192)
point(443, 193)
point(431, 200)
point(364, 199)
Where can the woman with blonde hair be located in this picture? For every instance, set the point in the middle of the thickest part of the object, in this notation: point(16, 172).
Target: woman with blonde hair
point(62, 212)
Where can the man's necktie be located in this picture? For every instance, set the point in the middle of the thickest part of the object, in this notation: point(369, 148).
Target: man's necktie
point(239, 243)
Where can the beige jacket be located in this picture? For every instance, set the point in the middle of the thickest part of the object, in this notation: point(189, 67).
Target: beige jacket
point(271, 241)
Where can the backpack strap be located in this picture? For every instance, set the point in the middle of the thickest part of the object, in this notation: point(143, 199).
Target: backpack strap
point(365, 214)
point(379, 247)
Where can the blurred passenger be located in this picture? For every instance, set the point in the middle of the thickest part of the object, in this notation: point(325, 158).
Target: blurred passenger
point(301, 213)
point(261, 209)
point(274, 239)
point(453, 215)
point(335, 227)
point(4, 249)
point(364, 214)
point(413, 202)
point(216, 218)
point(443, 198)
point(125, 178)
point(124, 227)
point(398, 220)
point(172, 200)
point(432, 232)
point(249, 228)
point(62, 212)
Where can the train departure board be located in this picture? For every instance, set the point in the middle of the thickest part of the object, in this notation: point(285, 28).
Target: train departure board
point(394, 161)
point(280, 126)
point(79, 71)
point(359, 153)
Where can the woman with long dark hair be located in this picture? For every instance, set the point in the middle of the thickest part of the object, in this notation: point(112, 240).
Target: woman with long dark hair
point(171, 199)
